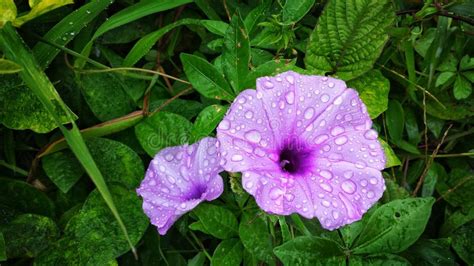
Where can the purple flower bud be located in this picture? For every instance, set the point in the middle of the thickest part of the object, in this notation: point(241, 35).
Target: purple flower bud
point(304, 144)
point(178, 179)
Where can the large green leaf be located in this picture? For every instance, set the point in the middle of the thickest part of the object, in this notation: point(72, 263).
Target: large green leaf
point(253, 232)
point(431, 252)
point(97, 89)
point(394, 226)
point(207, 121)
point(236, 54)
point(67, 29)
point(293, 11)
point(395, 120)
point(217, 221)
point(92, 236)
point(28, 234)
point(463, 239)
point(379, 260)
point(205, 78)
point(373, 89)
point(162, 130)
point(310, 250)
point(349, 37)
point(24, 198)
point(228, 252)
point(21, 109)
point(118, 162)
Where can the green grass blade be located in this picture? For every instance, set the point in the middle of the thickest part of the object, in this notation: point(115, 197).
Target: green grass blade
point(16, 50)
point(63, 32)
point(127, 15)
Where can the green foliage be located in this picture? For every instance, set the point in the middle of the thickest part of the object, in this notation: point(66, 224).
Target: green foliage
point(349, 37)
point(74, 80)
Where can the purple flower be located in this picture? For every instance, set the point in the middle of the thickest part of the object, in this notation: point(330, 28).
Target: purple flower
point(304, 144)
point(178, 179)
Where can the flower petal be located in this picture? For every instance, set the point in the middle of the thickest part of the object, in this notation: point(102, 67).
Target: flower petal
point(245, 136)
point(178, 179)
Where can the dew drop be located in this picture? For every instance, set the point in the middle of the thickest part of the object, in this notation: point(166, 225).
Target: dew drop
point(248, 114)
point(360, 165)
point(290, 97)
point(370, 194)
point(338, 100)
point(309, 113)
point(289, 197)
point(290, 79)
point(320, 139)
point(331, 84)
point(348, 186)
point(162, 168)
point(348, 174)
point(340, 140)
point(326, 174)
point(324, 98)
point(371, 134)
point(249, 185)
point(373, 181)
point(335, 215)
point(326, 187)
point(337, 130)
point(268, 84)
point(171, 180)
point(253, 136)
point(169, 157)
point(182, 205)
point(224, 125)
point(276, 193)
point(237, 158)
point(326, 203)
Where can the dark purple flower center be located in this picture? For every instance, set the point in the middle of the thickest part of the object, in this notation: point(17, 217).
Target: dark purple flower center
point(195, 192)
point(295, 159)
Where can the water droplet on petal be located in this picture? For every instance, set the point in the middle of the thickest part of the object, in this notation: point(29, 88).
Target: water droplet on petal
point(326, 203)
point(360, 165)
point(331, 84)
point(162, 168)
point(268, 84)
point(337, 130)
point(325, 98)
point(340, 140)
point(249, 185)
point(373, 181)
point(326, 174)
point(275, 193)
point(289, 197)
point(237, 158)
point(370, 194)
point(249, 114)
point(309, 113)
point(326, 187)
point(320, 139)
point(290, 97)
point(171, 179)
point(348, 174)
point(335, 215)
point(224, 125)
point(253, 136)
point(348, 186)
point(371, 134)
point(290, 79)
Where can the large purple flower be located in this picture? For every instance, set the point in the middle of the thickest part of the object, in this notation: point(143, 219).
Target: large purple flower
point(304, 144)
point(178, 179)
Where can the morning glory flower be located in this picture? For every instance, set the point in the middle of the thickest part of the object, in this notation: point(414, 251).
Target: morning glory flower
point(178, 179)
point(304, 144)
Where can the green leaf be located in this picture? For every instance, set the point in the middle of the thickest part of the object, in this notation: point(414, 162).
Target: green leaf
point(431, 252)
point(269, 68)
point(29, 234)
point(24, 198)
point(253, 232)
point(349, 37)
point(198, 260)
point(15, 49)
point(118, 162)
point(394, 226)
point(310, 250)
point(462, 182)
point(63, 169)
point(9, 67)
point(205, 78)
point(92, 236)
point(294, 11)
point(185, 108)
point(379, 260)
point(162, 130)
point(445, 78)
point(21, 108)
point(38, 8)
point(7, 11)
point(431, 179)
point(456, 220)
point(411, 125)
point(395, 119)
point(462, 242)
point(236, 53)
point(228, 252)
point(217, 27)
point(466, 63)
point(373, 89)
point(97, 89)
point(217, 221)
point(207, 121)
point(462, 88)
point(390, 156)
point(394, 191)
point(67, 29)
point(351, 231)
point(3, 252)
point(127, 15)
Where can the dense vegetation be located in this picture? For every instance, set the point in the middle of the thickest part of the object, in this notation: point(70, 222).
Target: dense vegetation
point(90, 91)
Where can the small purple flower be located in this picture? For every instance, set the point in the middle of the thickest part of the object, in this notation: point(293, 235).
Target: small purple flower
point(178, 179)
point(304, 144)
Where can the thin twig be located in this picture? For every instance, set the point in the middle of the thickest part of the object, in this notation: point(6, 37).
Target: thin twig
point(171, 99)
point(455, 187)
point(118, 69)
point(429, 162)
